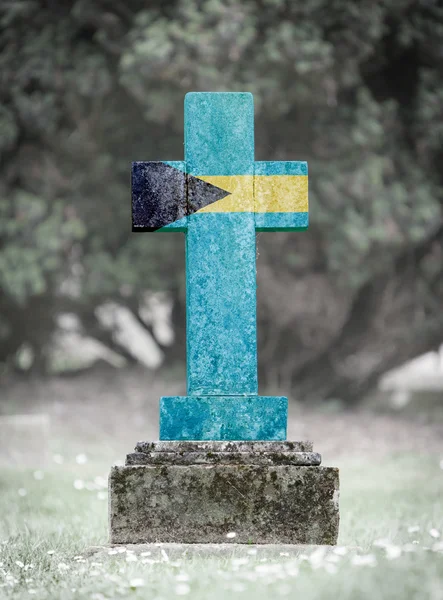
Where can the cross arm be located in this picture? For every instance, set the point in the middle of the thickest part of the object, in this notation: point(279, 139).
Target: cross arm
point(281, 196)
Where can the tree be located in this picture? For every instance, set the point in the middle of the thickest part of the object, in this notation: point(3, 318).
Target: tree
point(355, 89)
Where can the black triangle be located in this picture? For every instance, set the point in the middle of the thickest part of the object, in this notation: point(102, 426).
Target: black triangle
point(201, 194)
point(162, 194)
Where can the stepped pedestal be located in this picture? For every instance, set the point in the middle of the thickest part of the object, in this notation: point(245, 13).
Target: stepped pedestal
point(199, 492)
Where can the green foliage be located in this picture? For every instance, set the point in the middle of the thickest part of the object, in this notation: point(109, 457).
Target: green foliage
point(36, 236)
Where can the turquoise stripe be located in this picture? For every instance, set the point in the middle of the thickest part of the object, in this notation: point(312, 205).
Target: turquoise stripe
point(219, 133)
point(177, 164)
point(296, 167)
point(223, 418)
point(281, 221)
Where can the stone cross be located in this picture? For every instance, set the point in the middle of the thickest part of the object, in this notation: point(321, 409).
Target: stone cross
point(219, 197)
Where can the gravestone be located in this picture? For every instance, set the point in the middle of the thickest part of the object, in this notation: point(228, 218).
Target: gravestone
point(222, 470)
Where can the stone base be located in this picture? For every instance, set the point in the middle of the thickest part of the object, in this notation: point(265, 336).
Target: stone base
point(268, 494)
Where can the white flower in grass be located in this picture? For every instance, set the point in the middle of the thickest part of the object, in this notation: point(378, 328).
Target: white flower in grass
point(32, 592)
point(79, 484)
point(81, 459)
point(393, 552)
point(364, 560)
point(434, 533)
point(231, 535)
point(20, 564)
point(38, 475)
point(131, 558)
point(182, 589)
point(50, 552)
point(164, 555)
point(63, 567)
point(22, 492)
point(316, 558)
point(413, 529)
point(136, 583)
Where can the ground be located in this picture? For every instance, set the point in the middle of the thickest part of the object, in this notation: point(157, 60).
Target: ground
point(391, 533)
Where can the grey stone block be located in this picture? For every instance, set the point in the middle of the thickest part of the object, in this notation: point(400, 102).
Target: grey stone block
point(208, 458)
point(261, 504)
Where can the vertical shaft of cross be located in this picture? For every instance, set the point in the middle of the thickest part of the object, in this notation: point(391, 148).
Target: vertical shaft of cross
point(220, 252)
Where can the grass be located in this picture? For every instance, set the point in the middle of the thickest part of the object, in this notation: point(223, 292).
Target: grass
point(48, 521)
point(391, 471)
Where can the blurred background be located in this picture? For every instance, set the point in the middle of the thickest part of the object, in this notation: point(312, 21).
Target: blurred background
point(92, 316)
point(353, 88)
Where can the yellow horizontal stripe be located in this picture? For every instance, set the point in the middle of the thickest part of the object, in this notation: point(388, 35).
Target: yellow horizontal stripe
point(281, 193)
point(241, 197)
point(273, 193)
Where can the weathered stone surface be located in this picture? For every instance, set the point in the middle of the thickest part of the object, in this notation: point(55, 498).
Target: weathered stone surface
point(223, 446)
point(199, 503)
point(208, 458)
